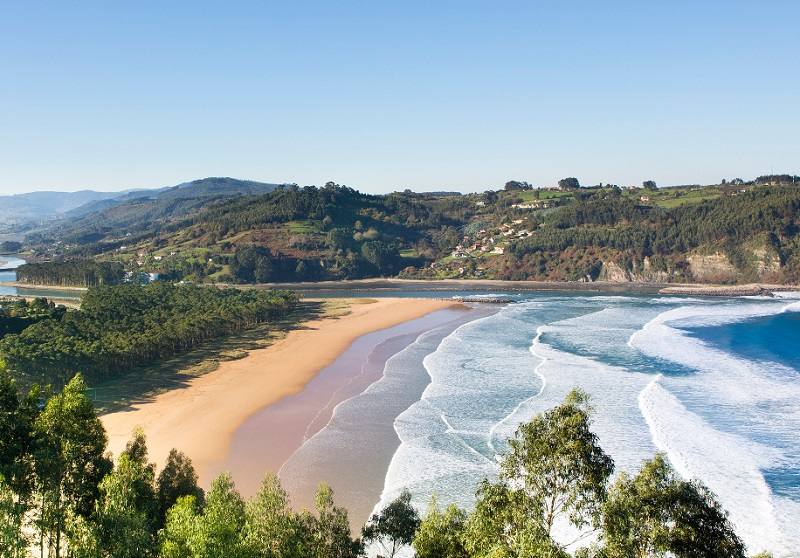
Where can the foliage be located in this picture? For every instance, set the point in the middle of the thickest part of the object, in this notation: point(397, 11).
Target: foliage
point(17, 314)
point(394, 526)
point(56, 485)
point(178, 478)
point(330, 530)
point(657, 514)
point(69, 460)
point(121, 327)
point(441, 534)
point(570, 183)
point(71, 273)
point(10, 247)
point(13, 541)
point(557, 462)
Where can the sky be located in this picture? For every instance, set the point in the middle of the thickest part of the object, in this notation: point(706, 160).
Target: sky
point(432, 95)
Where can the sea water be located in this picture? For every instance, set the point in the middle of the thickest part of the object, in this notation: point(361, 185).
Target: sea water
point(714, 384)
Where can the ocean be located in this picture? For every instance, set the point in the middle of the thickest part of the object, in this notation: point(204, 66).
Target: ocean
point(712, 383)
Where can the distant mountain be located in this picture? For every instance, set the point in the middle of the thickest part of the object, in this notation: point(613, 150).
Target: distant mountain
point(44, 206)
point(139, 210)
point(34, 206)
point(211, 187)
point(216, 186)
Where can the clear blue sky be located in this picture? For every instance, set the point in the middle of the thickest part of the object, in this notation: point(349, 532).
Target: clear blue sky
point(388, 95)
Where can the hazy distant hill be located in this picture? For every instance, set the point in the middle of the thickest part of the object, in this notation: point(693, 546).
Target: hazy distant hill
point(19, 208)
point(38, 206)
point(203, 188)
point(139, 210)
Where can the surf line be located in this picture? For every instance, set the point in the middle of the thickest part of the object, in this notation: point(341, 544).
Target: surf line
point(543, 359)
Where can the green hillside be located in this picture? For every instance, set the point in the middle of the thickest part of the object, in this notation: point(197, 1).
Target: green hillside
point(725, 233)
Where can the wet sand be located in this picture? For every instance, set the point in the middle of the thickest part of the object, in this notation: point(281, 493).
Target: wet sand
point(354, 449)
point(202, 418)
point(284, 436)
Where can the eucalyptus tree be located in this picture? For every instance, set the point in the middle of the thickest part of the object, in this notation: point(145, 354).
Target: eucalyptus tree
point(13, 540)
point(393, 528)
point(177, 478)
point(330, 529)
point(554, 471)
point(17, 443)
point(219, 529)
point(441, 533)
point(122, 523)
point(657, 514)
point(272, 529)
point(69, 463)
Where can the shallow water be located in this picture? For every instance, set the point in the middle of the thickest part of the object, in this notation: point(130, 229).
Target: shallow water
point(713, 383)
point(8, 276)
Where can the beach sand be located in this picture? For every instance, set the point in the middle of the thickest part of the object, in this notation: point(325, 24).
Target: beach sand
point(202, 418)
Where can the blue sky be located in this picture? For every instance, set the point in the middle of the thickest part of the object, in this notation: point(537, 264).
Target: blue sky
point(388, 95)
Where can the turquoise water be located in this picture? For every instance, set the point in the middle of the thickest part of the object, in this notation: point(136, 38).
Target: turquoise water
point(712, 383)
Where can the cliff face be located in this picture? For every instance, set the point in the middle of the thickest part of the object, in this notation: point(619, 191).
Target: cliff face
point(714, 267)
point(612, 272)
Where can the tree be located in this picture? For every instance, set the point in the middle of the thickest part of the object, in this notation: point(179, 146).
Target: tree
point(656, 514)
point(507, 523)
point(13, 542)
point(252, 264)
point(220, 526)
point(394, 527)
point(554, 469)
point(17, 440)
point(142, 479)
point(69, 461)
point(516, 185)
point(122, 525)
point(440, 534)
point(180, 537)
point(177, 478)
point(272, 529)
point(649, 185)
point(381, 255)
point(570, 183)
point(330, 530)
point(558, 460)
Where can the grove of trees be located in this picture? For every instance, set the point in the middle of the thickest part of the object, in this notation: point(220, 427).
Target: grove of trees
point(61, 495)
point(121, 327)
point(72, 273)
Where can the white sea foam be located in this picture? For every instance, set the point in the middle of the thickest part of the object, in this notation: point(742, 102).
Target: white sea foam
point(711, 412)
point(729, 421)
point(729, 465)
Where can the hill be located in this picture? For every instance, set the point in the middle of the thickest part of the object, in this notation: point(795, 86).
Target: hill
point(34, 206)
point(727, 233)
point(137, 211)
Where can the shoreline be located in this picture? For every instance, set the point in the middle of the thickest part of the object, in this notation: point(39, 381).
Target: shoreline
point(23, 285)
point(487, 285)
point(202, 418)
point(390, 285)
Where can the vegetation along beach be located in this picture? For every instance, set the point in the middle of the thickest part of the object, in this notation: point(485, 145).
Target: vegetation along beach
point(399, 279)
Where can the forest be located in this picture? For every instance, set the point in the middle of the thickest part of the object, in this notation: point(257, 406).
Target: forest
point(627, 230)
point(71, 273)
point(62, 496)
point(17, 314)
point(520, 232)
point(119, 328)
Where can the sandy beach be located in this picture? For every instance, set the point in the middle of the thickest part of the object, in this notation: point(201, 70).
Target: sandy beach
point(201, 418)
